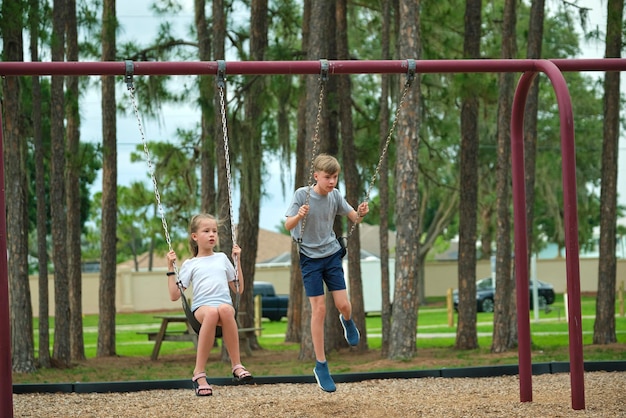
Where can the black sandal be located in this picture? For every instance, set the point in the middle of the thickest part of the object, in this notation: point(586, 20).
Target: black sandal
point(240, 374)
point(201, 390)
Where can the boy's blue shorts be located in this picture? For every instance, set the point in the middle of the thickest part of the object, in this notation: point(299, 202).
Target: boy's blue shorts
point(317, 271)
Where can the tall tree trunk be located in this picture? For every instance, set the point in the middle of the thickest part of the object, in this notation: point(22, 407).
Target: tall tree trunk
point(351, 174)
point(297, 300)
point(604, 325)
point(207, 108)
point(252, 157)
point(223, 207)
point(329, 144)
point(466, 335)
point(535, 37)
point(77, 345)
point(296, 287)
point(383, 187)
point(504, 302)
point(61, 350)
point(40, 191)
point(316, 49)
point(405, 306)
point(22, 346)
point(106, 320)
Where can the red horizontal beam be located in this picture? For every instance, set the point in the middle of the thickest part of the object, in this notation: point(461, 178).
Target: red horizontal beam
point(302, 67)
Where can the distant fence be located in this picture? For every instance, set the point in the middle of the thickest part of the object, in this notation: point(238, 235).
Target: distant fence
point(147, 291)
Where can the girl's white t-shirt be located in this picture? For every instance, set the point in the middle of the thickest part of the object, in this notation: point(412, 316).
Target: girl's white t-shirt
point(210, 276)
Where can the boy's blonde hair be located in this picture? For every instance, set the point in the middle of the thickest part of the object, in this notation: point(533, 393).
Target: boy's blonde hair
point(327, 164)
point(194, 224)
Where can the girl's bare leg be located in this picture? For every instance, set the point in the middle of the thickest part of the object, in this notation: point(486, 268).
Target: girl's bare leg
point(208, 317)
point(230, 333)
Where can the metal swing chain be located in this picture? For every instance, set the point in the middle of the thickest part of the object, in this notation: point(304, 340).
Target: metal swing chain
point(322, 82)
point(221, 86)
point(227, 157)
point(131, 90)
point(157, 195)
point(407, 85)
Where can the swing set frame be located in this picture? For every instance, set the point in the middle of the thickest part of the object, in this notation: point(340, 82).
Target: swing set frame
point(528, 67)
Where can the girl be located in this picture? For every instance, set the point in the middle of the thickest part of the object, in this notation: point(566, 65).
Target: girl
point(212, 274)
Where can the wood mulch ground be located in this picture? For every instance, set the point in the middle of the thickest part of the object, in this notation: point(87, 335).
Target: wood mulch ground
point(605, 396)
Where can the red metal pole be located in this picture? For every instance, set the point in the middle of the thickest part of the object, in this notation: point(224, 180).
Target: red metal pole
point(590, 64)
point(572, 262)
point(302, 67)
point(521, 241)
point(6, 379)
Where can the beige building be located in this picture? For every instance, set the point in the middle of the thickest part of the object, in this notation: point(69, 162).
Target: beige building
point(144, 291)
point(147, 291)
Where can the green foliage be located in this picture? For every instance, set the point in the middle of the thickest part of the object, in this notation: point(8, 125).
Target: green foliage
point(587, 107)
point(442, 26)
point(442, 38)
point(88, 159)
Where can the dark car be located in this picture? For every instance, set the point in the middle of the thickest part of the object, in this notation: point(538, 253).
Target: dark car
point(485, 294)
point(273, 306)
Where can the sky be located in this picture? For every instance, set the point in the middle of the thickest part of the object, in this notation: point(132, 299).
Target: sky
point(139, 25)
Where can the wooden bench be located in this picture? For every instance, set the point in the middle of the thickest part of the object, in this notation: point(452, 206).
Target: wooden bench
point(169, 336)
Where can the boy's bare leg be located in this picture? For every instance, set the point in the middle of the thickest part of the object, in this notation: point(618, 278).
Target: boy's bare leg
point(321, 371)
point(350, 331)
point(342, 302)
point(318, 313)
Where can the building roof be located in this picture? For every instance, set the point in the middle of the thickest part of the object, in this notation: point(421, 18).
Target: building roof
point(271, 244)
point(370, 239)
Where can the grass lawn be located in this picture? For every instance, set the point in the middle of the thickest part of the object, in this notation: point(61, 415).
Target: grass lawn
point(435, 342)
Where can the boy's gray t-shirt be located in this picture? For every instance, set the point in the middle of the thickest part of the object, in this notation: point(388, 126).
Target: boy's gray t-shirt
point(318, 238)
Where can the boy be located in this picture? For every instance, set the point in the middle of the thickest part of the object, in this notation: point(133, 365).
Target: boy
point(321, 254)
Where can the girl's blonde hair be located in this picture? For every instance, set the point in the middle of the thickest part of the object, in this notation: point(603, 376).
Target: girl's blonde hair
point(194, 224)
point(327, 164)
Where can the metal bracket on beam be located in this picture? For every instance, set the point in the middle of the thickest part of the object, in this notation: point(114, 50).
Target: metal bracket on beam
point(410, 74)
point(221, 73)
point(128, 77)
point(324, 70)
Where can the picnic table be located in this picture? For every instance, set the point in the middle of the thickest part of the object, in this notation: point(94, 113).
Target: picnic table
point(163, 334)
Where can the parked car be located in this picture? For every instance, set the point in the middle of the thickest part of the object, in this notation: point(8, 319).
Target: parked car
point(273, 306)
point(485, 294)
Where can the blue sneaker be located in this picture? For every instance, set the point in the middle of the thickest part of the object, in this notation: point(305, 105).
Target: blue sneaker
point(350, 331)
point(322, 375)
